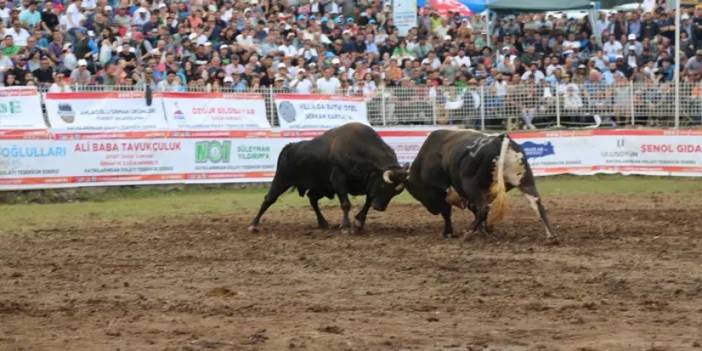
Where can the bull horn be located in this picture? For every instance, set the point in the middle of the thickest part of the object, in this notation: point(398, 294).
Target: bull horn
point(386, 176)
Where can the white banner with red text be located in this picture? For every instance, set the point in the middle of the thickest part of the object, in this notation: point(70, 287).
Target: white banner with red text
point(319, 111)
point(215, 111)
point(57, 160)
point(20, 109)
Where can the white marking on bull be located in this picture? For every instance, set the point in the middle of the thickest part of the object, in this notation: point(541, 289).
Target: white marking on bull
point(399, 187)
point(533, 202)
point(514, 167)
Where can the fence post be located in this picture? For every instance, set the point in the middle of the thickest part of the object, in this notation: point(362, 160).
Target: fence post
point(558, 104)
point(382, 105)
point(433, 108)
point(631, 103)
point(271, 105)
point(482, 107)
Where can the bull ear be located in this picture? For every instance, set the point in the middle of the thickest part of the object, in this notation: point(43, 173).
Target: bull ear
point(386, 176)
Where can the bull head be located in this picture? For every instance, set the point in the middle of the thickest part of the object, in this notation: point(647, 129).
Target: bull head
point(397, 176)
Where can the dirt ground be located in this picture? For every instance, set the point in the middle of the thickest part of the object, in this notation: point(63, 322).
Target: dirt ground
point(627, 275)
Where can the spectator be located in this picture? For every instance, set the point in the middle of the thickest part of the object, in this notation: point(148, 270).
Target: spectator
point(328, 84)
point(10, 49)
point(302, 83)
point(81, 75)
point(30, 17)
point(170, 83)
point(59, 85)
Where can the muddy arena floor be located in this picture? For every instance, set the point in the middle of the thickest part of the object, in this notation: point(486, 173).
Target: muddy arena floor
point(627, 275)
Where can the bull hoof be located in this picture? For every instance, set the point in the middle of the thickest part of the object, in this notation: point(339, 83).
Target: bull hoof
point(358, 225)
point(323, 225)
point(253, 228)
point(553, 241)
point(469, 235)
point(449, 236)
point(345, 231)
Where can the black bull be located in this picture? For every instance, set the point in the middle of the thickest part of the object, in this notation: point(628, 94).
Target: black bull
point(348, 160)
point(470, 169)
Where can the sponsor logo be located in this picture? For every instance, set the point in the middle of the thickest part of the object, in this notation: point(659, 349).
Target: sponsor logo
point(10, 108)
point(65, 111)
point(213, 151)
point(534, 150)
point(287, 112)
point(178, 114)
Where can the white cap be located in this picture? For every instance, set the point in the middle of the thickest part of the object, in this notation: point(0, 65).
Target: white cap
point(228, 79)
point(335, 61)
point(67, 46)
point(82, 62)
point(447, 37)
point(281, 65)
point(91, 33)
point(301, 70)
point(208, 44)
point(160, 5)
point(108, 8)
point(132, 50)
point(632, 36)
point(223, 46)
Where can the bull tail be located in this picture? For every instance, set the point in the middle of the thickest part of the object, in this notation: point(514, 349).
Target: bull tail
point(498, 190)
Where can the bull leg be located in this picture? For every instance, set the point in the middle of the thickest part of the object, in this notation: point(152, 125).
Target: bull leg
point(345, 208)
point(448, 227)
point(277, 188)
point(360, 220)
point(480, 209)
point(338, 181)
point(321, 221)
point(532, 196)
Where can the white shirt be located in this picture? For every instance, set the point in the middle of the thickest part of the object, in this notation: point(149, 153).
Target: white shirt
point(501, 88)
point(19, 38)
point(435, 64)
point(570, 45)
point(328, 86)
point(538, 76)
point(5, 63)
point(73, 16)
point(245, 40)
point(288, 50)
point(88, 4)
point(303, 86)
point(612, 49)
point(5, 16)
point(141, 20)
point(461, 61)
point(55, 88)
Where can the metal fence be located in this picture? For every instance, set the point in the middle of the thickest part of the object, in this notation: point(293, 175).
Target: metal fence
point(509, 106)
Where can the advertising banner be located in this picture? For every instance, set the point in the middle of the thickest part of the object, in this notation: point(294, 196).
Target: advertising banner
point(404, 15)
point(648, 152)
point(20, 108)
point(125, 158)
point(26, 164)
point(104, 111)
point(215, 111)
point(318, 111)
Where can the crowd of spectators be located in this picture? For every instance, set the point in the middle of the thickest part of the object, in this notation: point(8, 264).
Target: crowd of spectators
point(347, 46)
